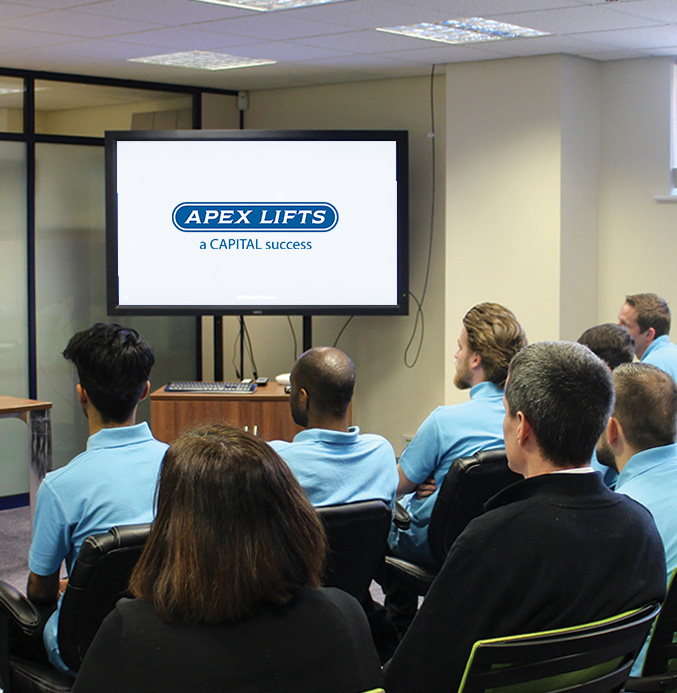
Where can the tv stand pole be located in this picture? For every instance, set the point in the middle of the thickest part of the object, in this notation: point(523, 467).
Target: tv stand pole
point(218, 348)
point(307, 332)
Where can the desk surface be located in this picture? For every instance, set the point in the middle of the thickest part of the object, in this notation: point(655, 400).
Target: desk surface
point(17, 405)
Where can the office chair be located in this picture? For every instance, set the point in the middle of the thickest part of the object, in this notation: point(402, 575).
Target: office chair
point(659, 672)
point(98, 579)
point(468, 485)
point(591, 658)
point(356, 534)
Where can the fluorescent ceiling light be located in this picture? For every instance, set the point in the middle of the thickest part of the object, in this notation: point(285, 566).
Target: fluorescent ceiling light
point(466, 30)
point(202, 60)
point(269, 5)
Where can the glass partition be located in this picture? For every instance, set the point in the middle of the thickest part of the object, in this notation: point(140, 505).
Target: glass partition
point(14, 458)
point(70, 289)
point(88, 110)
point(11, 104)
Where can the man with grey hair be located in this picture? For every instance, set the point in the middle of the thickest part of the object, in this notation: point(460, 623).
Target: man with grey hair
point(531, 563)
point(639, 443)
point(647, 317)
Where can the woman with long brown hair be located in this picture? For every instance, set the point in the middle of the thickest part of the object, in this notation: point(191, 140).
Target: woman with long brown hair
point(228, 586)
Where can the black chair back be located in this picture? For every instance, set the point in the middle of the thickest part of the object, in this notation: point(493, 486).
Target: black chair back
point(98, 580)
point(357, 534)
point(468, 485)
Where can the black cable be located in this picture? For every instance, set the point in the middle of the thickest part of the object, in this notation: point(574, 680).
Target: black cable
point(293, 334)
point(419, 317)
point(419, 304)
point(347, 322)
point(248, 344)
point(238, 375)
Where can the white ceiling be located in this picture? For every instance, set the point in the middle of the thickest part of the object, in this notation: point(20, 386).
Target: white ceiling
point(316, 45)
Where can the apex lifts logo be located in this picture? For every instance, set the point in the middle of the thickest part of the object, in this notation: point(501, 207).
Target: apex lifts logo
point(244, 216)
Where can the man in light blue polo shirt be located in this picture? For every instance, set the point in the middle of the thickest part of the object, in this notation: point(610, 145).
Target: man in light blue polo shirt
point(333, 461)
point(113, 481)
point(647, 317)
point(489, 338)
point(639, 443)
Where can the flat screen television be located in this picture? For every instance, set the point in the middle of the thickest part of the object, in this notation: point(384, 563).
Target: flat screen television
point(247, 222)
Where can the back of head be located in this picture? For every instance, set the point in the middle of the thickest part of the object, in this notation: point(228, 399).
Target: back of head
point(612, 343)
point(652, 311)
point(494, 333)
point(646, 405)
point(566, 394)
point(113, 364)
point(234, 531)
point(328, 376)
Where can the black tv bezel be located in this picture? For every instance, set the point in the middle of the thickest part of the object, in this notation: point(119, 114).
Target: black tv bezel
point(400, 137)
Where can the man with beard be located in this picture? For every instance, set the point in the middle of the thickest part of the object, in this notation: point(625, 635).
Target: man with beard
point(489, 338)
point(639, 443)
point(333, 461)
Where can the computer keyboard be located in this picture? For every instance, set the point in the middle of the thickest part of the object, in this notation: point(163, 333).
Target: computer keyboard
point(210, 386)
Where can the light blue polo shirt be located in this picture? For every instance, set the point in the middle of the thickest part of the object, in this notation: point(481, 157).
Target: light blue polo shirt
point(650, 477)
point(449, 432)
point(336, 467)
point(111, 483)
point(662, 353)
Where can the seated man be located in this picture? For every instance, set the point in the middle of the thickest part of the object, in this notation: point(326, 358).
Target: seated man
point(614, 345)
point(113, 481)
point(333, 462)
point(489, 338)
point(647, 317)
point(639, 443)
point(531, 562)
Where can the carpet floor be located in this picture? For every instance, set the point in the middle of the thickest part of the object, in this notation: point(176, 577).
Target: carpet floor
point(15, 540)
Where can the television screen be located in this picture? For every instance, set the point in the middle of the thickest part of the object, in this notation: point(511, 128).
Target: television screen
point(257, 222)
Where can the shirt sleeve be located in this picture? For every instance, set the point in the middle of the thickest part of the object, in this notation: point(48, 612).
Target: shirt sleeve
point(51, 541)
point(421, 457)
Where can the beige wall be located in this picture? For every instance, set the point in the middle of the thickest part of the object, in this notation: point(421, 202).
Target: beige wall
point(547, 175)
point(637, 235)
point(390, 399)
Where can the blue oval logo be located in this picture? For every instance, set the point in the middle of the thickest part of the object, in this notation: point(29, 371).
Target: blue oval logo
point(243, 216)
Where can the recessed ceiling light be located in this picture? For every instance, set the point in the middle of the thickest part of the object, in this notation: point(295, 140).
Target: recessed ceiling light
point(466, 30)
point(202, 60)
point(269, 5)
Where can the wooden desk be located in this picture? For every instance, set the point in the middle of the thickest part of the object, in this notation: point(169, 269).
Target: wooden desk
point(37, 416)
point(264, 412)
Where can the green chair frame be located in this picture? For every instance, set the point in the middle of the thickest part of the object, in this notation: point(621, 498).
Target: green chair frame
point(593, 657)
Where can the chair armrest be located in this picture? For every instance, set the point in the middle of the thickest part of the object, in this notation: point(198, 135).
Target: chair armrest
point(401, 516)
point(18, 608)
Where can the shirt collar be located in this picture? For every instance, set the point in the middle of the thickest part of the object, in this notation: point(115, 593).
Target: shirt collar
point(119, 436)
point(485, 389)
point(328, 436)
point(657, 343)
point(646, 460)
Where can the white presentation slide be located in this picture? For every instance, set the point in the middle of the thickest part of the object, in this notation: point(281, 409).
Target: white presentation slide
point(257, 223)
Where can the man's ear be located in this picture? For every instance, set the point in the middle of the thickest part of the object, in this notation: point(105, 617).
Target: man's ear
point(614, 430)
point(475, 361)
point(146, 390)
point(303, 398)
point(650, 335)
point(524, 430)
point(82, 394)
